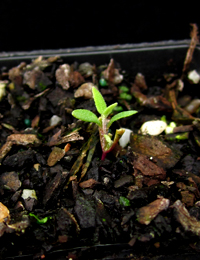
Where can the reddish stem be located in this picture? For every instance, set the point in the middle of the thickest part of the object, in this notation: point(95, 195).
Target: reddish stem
point(103, 156)
point(104, 153)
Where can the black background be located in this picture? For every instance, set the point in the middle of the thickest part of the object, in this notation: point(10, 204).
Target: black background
point(32, 25)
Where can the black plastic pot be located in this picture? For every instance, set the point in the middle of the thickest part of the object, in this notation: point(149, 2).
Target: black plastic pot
point(146, 58)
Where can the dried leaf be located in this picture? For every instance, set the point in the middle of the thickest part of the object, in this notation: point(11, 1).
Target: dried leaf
point(56, 155)
point(57, 139)
point(140, 82)
point(91, 183)
point(89, 157)
point(5, 149)
point(10, 127)
point(41, 63)
point(179, 114)
point(165, 156)
point(155, 102)
point(88, 146)
point(24, 139)
point(18, 139)
point(15, 74)
point(111, 74)
point(4, 213)
point(29, 102)
point(152, 173)
point(35, 121)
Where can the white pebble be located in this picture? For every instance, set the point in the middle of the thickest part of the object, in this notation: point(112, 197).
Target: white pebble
point(55, 120)
point(194, 76)
point(153, 127)
point(106, 180)
point(29, 194)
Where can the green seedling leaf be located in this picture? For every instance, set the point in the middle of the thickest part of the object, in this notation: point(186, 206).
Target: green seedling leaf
point(86, 115)
point(124, 89)
point(125, 96)
point(108, 139)
point(39, 221)
point(109, 109)
point(99, 101)
point(109, 142)
point(121, 115)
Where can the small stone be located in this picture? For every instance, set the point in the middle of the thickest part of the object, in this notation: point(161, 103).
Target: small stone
point(194, 76)
point(124, 180)
point(19, 206)
point(153, 127)
point(103, 82)
point(86, 69)
point(55, 120)
point(187, 198)
point(85, 90)
point(29, 194)
point(86, 212)
point(62, 238)
point(27, 122)
point(106, 180)
point(10, 180)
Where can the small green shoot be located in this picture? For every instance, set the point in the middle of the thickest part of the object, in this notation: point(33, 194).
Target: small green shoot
point(39, 221)
point(103, 122)
point(125, 96)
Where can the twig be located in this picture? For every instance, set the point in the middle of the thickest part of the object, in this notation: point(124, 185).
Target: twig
point(193, 43)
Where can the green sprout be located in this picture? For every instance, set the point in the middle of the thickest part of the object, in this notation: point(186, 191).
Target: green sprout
point(107, 144)
point(39, 221)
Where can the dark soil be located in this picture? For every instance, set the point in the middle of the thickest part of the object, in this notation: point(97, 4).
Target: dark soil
point(141, 202)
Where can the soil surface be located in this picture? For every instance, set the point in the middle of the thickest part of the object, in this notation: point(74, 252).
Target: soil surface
point(58, 199)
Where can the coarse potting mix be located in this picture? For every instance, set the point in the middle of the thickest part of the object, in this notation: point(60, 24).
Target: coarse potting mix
point(59, 199)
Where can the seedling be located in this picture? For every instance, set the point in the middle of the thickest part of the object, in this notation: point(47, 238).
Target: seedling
point(39, 221)
point(103, 122)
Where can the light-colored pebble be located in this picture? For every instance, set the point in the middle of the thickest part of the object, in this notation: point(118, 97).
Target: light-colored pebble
point(29, 194)
point(153, 127)
point(55, 120)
